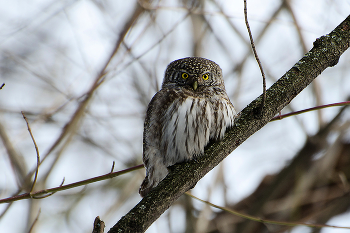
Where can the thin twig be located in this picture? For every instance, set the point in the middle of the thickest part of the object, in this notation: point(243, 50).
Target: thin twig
point(98, 81)
point(37, 153)
point(257, 219)
point(69, 186)
point(35, 221)
point(256, 56)
point(2, 85)
point(112, 169)
point(5, 210)
point(280, 117)
point(50, 194)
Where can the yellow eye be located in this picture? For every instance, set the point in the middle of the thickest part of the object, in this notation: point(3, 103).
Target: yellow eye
point(205, 76)
point(184, 75)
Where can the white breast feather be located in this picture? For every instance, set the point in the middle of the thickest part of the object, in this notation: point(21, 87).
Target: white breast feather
point(175, 146)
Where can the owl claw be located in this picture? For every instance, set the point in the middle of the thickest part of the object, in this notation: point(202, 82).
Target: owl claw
point(193, 185)
point(196, 160)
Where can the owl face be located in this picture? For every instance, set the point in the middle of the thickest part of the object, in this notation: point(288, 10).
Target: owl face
point(193, 73)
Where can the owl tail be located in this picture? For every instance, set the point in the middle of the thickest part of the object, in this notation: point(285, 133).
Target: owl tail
point(153, 176)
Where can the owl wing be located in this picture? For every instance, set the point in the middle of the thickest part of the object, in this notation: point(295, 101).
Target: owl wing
point(153, 157)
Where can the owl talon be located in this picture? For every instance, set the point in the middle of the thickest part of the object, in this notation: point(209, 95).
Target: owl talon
point(195, 159)
point(194, 185)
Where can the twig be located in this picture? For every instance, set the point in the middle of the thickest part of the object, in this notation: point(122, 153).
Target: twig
point(71, 125)
point(50, 194)
point(256, 57)
point(112, 166)
point(69, 186)
point(256, 219)
point(2, 85)
point(5, 210)
point(280, 117)
point(37, 153)
point(35, 221)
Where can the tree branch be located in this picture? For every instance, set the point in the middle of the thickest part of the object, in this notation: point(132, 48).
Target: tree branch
point(182, 177)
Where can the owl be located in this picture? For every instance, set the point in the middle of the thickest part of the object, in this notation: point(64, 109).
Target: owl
point(191, 108)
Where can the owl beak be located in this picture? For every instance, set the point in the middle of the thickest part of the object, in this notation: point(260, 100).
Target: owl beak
point(195, 85)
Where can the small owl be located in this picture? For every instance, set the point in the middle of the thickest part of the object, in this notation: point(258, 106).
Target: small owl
point(191, 108)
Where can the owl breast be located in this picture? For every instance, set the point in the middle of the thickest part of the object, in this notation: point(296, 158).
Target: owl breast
point(191, 123)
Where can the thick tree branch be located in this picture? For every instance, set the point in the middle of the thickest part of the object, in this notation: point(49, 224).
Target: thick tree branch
point(182, 177)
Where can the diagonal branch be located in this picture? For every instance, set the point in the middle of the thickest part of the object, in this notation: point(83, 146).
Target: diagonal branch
point(182, 177)
point(71, 126)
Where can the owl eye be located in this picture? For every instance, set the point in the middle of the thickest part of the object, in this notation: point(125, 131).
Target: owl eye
point(205, 76)
point(184, 75)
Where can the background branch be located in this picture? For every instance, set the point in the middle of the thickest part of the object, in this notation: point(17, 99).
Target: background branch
point(62, 187)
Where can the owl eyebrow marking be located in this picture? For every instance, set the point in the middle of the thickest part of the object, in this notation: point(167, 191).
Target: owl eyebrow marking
point(182, 70)
point(206, 72)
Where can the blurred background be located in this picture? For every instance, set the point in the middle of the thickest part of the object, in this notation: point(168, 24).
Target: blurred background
point(83, 72)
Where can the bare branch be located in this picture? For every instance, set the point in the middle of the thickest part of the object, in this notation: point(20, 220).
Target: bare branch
point(69, 186)
point(112, 166)
point(37, 153)
point(255, 55)
point(257, 219)
point(35, 221)
point(280, 117)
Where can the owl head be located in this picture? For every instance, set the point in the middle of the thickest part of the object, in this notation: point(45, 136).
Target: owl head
point(193, 73)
